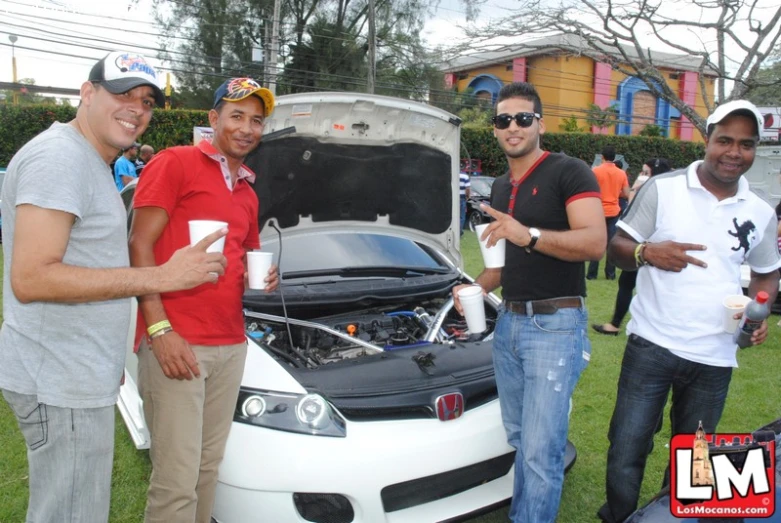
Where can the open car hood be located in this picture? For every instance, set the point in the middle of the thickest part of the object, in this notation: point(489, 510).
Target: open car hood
point(366, 160)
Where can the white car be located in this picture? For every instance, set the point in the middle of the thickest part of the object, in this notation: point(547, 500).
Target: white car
point(364, 397)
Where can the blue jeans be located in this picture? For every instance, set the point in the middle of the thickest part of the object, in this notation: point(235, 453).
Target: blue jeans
point(538, 360)
point(648, 371)
point(70, 454)
point(610, 268)
point(463, 213)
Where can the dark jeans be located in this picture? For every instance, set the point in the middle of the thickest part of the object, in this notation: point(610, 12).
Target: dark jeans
point(610, 269)
point(648, 371)
point(462, 207)
point(626, 286)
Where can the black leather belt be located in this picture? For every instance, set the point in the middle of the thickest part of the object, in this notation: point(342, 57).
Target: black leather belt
point(550, 306)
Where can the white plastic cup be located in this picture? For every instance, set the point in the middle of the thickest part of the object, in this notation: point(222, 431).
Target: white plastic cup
point(258, 265)
point(733, 304)
point(199, 229)
point(471, 299)
point(493, 257)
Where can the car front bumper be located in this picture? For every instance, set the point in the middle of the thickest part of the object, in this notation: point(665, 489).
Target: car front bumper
point(263, 469)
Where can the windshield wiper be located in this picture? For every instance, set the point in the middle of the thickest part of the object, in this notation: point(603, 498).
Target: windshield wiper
point(379, 270)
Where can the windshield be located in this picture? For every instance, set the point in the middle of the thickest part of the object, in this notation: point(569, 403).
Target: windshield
point(482, 186)
point(335, 251)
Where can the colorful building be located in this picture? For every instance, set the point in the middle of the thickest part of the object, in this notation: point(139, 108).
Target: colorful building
point(569, 79)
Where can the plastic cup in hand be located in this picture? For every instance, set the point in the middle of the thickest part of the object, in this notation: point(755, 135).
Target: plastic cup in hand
point(258, 265)
point(493, 257)
point(199, 229)
point(733, 304)
point(471, 299)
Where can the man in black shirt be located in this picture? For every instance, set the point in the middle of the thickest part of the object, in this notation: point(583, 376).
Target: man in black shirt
point(549, 210)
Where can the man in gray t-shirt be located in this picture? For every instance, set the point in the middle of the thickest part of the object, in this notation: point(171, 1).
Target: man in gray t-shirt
point(67, 287)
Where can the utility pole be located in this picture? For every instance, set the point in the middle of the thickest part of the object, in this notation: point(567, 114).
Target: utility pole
point(14, 95)
point(372, 50)
point(167, 90)
point(272, 59)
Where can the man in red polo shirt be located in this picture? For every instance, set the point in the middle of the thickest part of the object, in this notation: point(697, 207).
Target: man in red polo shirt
point(192, 357)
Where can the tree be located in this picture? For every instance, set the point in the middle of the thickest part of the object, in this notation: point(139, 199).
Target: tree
point(322, 44)
point(602, 118)
point(731, 38)
point(207, 41)
point(327, 60)
point(768, 88)
point(570, 125)
point(477, 116)
point(652, 130)
point(25, 96)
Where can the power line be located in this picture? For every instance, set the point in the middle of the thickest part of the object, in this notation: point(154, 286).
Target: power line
point(551, 110)
point(326, 76)
point(577, 77)
point(581, 78)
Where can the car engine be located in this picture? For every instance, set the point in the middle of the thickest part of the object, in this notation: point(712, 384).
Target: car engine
point(319, 341)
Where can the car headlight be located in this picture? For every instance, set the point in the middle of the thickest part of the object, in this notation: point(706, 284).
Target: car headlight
point(301, 413)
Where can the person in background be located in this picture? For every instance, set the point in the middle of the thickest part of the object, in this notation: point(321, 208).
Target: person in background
point(687, 232)
point(144, 155)
point(628, 279)
point(125, 167)
point(623, 201)
point(613, 185)
point(464, 192)
point(67, 286)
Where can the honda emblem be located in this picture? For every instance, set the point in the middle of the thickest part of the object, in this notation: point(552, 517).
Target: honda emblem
point(449, 406)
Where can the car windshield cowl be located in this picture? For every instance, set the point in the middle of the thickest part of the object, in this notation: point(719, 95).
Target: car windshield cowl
point(368, 271)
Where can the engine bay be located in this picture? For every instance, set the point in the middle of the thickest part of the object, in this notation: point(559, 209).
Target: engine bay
point(330, 339)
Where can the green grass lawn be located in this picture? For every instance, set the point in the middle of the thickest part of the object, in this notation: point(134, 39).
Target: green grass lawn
point(752, 402)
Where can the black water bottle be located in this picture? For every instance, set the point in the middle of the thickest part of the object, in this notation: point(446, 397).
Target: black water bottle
point(756, 312)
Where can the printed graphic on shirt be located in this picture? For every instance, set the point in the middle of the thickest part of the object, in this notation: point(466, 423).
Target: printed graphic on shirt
point(743, 233)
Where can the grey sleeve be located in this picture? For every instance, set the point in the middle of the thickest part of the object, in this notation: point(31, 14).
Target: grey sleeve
point(639, 221)
point(50, 176)
point(764, 257)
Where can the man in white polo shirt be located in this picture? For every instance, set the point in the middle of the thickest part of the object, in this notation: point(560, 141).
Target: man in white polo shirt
point(687, 233)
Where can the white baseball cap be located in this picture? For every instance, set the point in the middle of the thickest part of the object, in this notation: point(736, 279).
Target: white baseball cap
point(736, 106)
point(120, 71)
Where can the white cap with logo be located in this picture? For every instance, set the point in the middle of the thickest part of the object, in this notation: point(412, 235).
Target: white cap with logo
point(120, 71)
point(736, 106)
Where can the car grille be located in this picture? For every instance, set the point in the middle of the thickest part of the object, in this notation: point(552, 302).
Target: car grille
point(431, 488)
point(403, 412)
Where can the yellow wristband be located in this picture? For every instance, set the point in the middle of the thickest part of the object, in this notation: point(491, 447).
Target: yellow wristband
point(640, 255)
point(638, 260)
point(161, 332)
point(158, 326)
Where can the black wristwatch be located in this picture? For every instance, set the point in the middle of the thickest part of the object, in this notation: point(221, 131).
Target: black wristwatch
point(534, 232)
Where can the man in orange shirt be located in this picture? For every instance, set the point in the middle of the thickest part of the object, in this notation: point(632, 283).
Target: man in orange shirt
point(613, 185)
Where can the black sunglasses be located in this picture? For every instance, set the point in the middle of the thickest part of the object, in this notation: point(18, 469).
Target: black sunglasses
point(502, 121)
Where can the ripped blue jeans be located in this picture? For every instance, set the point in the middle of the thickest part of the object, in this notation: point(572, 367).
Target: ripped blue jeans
point(538, 360)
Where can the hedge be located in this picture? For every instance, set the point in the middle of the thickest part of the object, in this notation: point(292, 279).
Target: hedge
point(18, 124)
point(481, 143)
